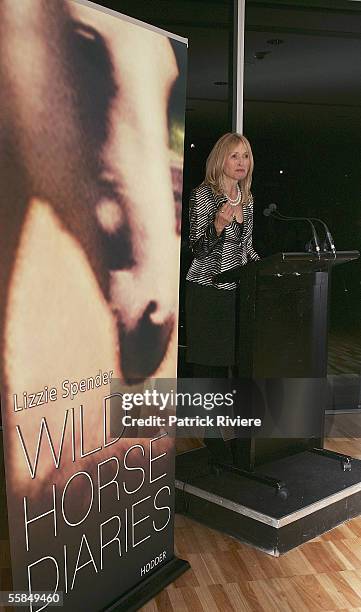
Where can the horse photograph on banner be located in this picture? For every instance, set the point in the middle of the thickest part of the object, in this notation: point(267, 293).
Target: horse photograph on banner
point(91, 149)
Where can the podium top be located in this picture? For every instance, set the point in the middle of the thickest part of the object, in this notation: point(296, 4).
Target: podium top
point(290, 263)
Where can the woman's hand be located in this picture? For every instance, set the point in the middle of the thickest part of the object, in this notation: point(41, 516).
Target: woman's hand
point(223, 217)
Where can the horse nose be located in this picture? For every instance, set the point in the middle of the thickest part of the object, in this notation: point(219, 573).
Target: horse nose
point(143, 348)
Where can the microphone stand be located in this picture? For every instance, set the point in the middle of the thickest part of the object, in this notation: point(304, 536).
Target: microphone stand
point(280, 217)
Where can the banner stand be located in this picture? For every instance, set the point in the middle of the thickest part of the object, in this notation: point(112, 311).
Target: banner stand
point(91, 167)
point(150, 587)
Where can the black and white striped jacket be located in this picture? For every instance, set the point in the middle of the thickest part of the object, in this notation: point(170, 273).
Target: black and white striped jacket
point(214, 254)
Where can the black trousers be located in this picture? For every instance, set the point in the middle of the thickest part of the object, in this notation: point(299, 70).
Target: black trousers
point(221, 450)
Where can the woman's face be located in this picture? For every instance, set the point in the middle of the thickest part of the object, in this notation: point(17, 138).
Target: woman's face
point(237, 163)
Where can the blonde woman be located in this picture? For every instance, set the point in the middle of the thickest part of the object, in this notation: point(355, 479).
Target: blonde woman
point(221, 223)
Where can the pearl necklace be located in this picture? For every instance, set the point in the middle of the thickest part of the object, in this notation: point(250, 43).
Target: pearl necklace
point(238, 198)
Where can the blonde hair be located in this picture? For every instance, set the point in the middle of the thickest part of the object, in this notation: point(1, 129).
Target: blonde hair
point(216, 160)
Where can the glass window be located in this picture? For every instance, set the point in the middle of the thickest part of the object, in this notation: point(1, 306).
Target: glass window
point(302, 100)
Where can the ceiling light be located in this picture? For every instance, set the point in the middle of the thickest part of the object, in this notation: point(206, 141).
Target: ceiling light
point(260, 55)
point(275, 41)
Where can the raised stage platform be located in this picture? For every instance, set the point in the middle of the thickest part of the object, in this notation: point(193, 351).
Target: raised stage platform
point(321, 495)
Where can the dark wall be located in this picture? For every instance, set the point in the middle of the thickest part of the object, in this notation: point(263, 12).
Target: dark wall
point(302, 113)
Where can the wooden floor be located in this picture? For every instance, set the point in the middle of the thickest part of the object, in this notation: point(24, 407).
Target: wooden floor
point(226, 575)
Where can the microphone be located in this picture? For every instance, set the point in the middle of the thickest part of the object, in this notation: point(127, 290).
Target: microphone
point(328, 234)
point(272, 211)
point(273, 207)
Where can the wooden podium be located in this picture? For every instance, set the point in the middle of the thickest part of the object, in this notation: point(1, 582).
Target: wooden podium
point(281, 350)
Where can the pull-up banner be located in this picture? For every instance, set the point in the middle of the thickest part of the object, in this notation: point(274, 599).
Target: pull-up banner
point(91, 157)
